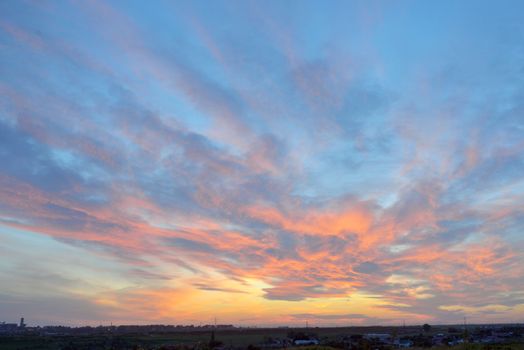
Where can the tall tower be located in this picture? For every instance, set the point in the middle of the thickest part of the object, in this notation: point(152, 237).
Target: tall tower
point(22, 324)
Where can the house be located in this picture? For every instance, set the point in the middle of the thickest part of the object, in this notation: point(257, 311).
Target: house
point(378, 337)
point(439, 339)
point(303, 342)
point(403, 343)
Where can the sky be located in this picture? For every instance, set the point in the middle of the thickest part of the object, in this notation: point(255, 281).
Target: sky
point(262, 162)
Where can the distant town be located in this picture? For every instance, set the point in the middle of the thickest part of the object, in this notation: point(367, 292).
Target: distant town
point(228, 337)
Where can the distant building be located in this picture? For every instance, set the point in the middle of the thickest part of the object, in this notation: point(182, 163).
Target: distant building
point(8, 327)
point(438, 339)
point(303, 342)
point(403, 343)
point(22, 324)
point(380, 337)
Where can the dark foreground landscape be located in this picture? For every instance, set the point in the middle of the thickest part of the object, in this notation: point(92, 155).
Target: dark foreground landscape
point(158, 337)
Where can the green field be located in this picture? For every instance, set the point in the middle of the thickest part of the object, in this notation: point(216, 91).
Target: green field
point(236, 338)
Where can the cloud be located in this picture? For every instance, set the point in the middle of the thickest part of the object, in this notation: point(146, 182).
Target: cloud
point(288, 165)
point(329, 317)
point(203, 286)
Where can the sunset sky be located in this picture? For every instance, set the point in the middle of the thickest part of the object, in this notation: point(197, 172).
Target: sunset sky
point(262, 162)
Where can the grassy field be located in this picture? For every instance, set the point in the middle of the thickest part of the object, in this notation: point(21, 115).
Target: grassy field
point(234, 338)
